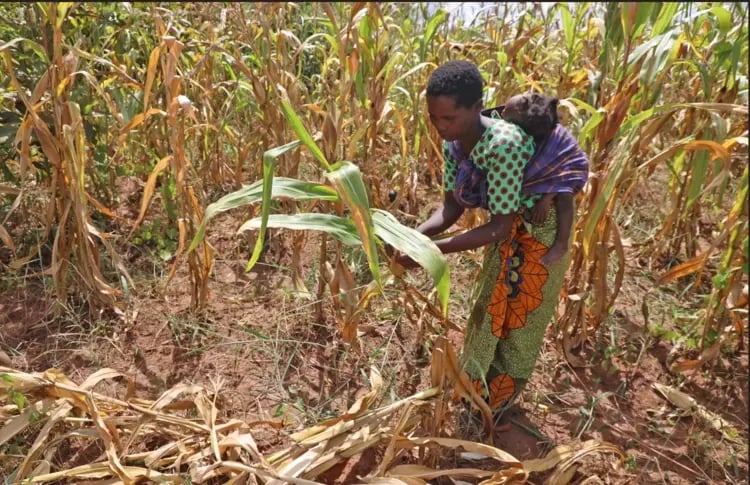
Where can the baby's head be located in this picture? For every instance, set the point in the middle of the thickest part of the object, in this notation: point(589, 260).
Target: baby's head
point(535, 113)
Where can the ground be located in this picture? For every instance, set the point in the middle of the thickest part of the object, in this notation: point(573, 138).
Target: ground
point(263, 346)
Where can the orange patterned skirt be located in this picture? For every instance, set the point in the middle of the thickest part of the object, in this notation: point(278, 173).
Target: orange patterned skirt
point(514, 301)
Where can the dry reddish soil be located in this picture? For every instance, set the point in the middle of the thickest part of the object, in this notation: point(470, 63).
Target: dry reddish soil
point(270, 357)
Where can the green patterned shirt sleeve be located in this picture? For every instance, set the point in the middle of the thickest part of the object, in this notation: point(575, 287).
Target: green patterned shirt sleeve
point(449, 169)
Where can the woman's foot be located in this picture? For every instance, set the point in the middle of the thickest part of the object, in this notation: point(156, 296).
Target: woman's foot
point(553, 255)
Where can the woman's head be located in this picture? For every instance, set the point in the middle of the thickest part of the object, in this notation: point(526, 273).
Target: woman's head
point(535, 113)
point(454, 98)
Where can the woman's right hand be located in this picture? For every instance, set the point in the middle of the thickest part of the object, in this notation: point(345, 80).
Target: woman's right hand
point(540, 211)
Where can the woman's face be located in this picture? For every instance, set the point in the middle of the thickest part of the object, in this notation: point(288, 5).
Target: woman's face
point(451, 120)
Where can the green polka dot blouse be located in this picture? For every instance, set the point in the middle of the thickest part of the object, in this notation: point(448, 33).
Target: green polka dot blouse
point(502, 153)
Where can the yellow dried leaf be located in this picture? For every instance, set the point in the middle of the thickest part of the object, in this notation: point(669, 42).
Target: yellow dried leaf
point(487, 450)
point(553, 458)
point(564, 477)
point(99, 376)
point(102, 470)
point(60, 413)
point(148, 191)
point(688, 403)
point(563, 472)
point(393, 481)
point(208, 412)
point(6, 239)
point(297, 467)
point(688, 267)
point(153, 58)
point(427, 473)
point(110, 444)
point(717, 150)
point(363, 403)
point(462, 384)
point(20, 422)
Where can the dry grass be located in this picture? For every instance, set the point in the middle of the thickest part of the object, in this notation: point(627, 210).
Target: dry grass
point(179, 436)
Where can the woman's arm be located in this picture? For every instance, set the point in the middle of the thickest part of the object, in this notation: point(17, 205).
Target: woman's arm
point(496, 230)
point(443, 218)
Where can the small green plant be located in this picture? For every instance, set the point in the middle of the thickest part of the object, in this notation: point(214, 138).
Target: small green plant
point(159, 237)
point(186, 330)
point(631, 463)
point(587, 414)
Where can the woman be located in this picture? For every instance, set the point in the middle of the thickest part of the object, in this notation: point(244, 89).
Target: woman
point(516, 295)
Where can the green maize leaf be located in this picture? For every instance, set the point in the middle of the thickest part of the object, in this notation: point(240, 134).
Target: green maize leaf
point(613, 36)
point(34, 46)
point(347, 179)
point(698, 175)
point(706, 79)
point(418, 247)
point(662, 54)
point(429, 32)
point(636, 120)
point(268, 158)
point(340, 227)
point(569, 28)
point(281, 187)
point(302, 132)
point(662, 45)
point(365, 29)
point(734, 61)
point(722, 51)
point(412, 71)
point(359, 85)
point(723, 17)
point(583, 105)
point(666, 16)
point(634, 17)
point(588, 129)
point(62, 9)
point(643, 15)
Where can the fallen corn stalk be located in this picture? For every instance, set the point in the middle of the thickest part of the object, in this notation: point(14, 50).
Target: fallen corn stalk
point(53, 413)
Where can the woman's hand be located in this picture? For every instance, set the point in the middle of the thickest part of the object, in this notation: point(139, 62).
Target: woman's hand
point(540, 211)
point(406, 261)
point(389, 249)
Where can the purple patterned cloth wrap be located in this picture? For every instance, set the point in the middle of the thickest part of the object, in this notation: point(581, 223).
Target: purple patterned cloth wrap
point(470, 187)
point(558, 165)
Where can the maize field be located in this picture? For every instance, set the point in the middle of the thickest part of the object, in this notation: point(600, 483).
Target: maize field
point(195, 200)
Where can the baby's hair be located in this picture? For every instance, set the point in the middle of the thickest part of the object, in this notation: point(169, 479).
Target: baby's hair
point(540, 115)
point(459, 79)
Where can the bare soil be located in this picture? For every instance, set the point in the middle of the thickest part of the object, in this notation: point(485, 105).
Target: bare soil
point(271, 357)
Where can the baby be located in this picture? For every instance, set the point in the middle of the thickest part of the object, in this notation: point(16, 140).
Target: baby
point(558, 169)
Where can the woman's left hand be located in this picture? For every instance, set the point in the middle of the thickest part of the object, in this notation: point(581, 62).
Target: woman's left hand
point(406, 261)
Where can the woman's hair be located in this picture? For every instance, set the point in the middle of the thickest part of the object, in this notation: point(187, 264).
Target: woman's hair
point(458, 79)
